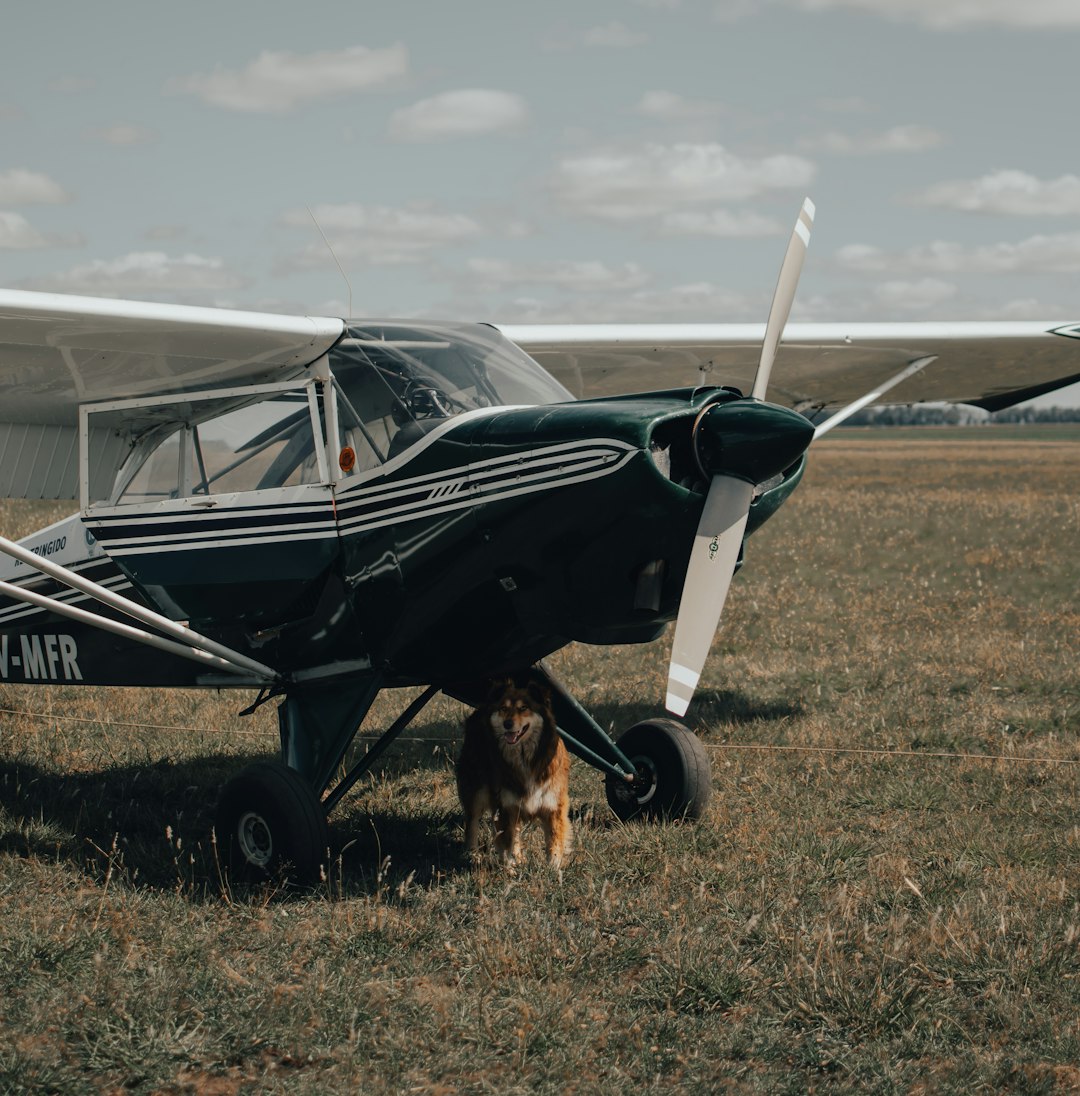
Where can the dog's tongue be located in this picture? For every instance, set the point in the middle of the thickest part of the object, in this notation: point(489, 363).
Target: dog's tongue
point(513, 737)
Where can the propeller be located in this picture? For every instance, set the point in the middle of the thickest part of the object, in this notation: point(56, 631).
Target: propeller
point(739, 444)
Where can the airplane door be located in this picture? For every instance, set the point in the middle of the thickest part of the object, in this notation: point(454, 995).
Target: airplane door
point(224, 510)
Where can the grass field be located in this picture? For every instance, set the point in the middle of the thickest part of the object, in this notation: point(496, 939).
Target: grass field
point(884, 895)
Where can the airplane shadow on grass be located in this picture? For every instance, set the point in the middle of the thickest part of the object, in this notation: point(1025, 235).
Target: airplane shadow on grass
point(710, 706)
point(151, 824)
point(732, 706)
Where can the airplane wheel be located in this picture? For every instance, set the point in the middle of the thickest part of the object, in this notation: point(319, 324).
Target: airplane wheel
point(269, 821)
point(675, 775)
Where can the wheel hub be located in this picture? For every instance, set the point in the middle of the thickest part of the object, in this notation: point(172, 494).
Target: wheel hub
point(255, 839)
point(643, 787)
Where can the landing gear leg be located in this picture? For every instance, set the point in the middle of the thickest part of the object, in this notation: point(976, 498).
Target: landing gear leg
point(270, 819)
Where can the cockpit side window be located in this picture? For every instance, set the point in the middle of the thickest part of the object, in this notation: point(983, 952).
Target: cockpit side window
point(266, 445)
point(158, 477)
point(221, 448)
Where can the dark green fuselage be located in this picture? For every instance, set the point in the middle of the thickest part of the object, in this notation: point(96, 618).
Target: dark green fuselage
point(496, 539)
point(441, 587)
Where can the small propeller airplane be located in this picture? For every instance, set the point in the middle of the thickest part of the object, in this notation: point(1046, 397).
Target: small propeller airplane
point(320, 509)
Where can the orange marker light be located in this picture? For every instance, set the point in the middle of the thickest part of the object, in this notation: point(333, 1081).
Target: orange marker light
point(347, 459)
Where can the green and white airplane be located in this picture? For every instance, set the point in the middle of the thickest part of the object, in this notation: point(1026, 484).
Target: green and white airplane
point(321, 509)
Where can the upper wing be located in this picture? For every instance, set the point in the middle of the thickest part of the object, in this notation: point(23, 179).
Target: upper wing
point(57, 352)
point(990, 365)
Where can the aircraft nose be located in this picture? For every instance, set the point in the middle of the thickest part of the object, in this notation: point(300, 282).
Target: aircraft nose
point(750, 440)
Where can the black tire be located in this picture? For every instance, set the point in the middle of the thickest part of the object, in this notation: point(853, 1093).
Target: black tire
point(270, 823)
point(676, 778)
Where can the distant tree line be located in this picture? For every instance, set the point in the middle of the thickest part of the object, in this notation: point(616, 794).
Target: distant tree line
point(1037, 414)
point(958, 414)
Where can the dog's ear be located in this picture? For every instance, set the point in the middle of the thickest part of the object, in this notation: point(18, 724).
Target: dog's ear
point(539, 694)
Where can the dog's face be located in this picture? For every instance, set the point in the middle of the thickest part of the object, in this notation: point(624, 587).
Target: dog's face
point(517, 715)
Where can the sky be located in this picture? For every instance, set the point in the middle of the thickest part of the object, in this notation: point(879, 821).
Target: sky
point(595, 161)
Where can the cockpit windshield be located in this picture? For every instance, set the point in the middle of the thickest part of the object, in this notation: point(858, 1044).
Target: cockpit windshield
point(393, 383)
point(398, 381)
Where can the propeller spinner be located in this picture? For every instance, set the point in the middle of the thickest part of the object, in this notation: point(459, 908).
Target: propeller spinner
point(739, 445)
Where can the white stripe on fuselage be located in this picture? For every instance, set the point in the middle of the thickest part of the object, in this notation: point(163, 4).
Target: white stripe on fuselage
point(396, 500)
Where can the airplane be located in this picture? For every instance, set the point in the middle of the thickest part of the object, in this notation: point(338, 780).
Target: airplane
point(319, 509)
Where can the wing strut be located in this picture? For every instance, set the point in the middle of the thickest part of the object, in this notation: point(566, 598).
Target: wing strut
point(186, 642)
point(857, 405)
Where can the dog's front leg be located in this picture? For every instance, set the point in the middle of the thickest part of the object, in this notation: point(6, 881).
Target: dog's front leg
point(558, 834)
point(474, 812)
point(507, 834)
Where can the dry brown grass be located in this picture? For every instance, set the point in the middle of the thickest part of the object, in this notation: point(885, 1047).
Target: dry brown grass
point(840, 921)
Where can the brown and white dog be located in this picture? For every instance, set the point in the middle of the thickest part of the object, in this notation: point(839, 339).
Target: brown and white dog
point(514, 766)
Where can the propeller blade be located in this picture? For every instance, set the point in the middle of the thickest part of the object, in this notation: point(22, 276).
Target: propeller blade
point(783, 296)
point(712, 565)
point(715, 552)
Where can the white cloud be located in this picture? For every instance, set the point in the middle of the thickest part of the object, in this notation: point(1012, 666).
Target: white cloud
point(580, 276)
point(863, 257)
point(1058, 254)
point(145, 274)
point(907, 138)
point(383, 235)
point(123, 134)
point(17, 234)
point(276, 81)
point(914, 296)
point(613, 35)
point(670, 106)
point(1009, 192)
point(719, 222)
point(21, 187)
point(954, 14)
point(649, 181)
point(469, 112)
point(693, 302)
